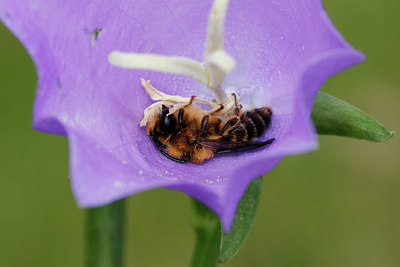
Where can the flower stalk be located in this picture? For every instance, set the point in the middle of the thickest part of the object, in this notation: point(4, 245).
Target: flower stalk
point(105, 235)
point(208, 236)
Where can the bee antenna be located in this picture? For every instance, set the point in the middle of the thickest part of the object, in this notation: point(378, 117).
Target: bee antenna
point(155, 139)
point(160, 147)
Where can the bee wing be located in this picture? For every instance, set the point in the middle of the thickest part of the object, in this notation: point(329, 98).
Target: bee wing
point(220, 146)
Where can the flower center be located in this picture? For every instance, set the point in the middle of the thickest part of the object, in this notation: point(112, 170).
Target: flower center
point(211, 72)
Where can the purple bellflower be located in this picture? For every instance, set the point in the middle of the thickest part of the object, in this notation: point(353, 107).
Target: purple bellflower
point(282, 52)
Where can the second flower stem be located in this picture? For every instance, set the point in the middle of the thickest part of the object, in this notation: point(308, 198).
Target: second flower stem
point(105, 235)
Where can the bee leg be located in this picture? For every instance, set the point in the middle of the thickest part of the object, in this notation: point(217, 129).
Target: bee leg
point(204, 122)
point(216, 111)
point(231, 123)
point(238, 108)
point(181, 112)
point(234, 96)
point(180, 118)
point(190, 101)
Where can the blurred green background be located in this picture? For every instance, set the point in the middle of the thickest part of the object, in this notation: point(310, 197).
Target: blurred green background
point(338, 206)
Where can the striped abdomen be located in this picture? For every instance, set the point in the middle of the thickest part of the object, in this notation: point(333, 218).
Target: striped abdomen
point(253, 124)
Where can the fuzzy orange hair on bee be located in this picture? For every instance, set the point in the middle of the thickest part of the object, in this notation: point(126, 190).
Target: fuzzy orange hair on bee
point(191, 134)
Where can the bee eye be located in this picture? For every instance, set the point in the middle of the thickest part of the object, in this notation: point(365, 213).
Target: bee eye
point(168, 122)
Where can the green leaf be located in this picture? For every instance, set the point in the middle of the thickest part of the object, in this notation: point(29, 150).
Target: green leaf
point(244, 219)
point(333, 116)
point(211, 243)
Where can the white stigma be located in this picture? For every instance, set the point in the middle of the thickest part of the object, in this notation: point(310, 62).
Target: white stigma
point(176, 65)
point(216, 65)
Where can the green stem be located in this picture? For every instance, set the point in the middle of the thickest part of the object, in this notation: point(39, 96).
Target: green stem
point(105, 235)
point(208, 237)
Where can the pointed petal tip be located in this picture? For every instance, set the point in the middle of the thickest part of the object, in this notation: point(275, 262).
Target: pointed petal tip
point(358, 56)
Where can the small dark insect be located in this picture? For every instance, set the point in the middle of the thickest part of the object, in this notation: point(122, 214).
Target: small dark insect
point(192, 135)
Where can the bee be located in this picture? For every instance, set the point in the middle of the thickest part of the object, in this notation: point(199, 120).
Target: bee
point(192, 135)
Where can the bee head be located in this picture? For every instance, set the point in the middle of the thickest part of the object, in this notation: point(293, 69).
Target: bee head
point(167, 122)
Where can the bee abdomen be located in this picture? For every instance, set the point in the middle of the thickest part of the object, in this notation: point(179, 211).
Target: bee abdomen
point(258, 122)
point(265, 113)
point(236, 134)
point(261, 118)
point(250, 128)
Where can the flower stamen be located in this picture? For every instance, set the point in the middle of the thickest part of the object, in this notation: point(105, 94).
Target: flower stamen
point(163, 99)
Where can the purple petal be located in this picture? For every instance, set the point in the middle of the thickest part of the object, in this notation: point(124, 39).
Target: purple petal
point(284, 51)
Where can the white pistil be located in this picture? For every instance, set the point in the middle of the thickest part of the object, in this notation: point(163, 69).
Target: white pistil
point(219, 64)
point(212, 72)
